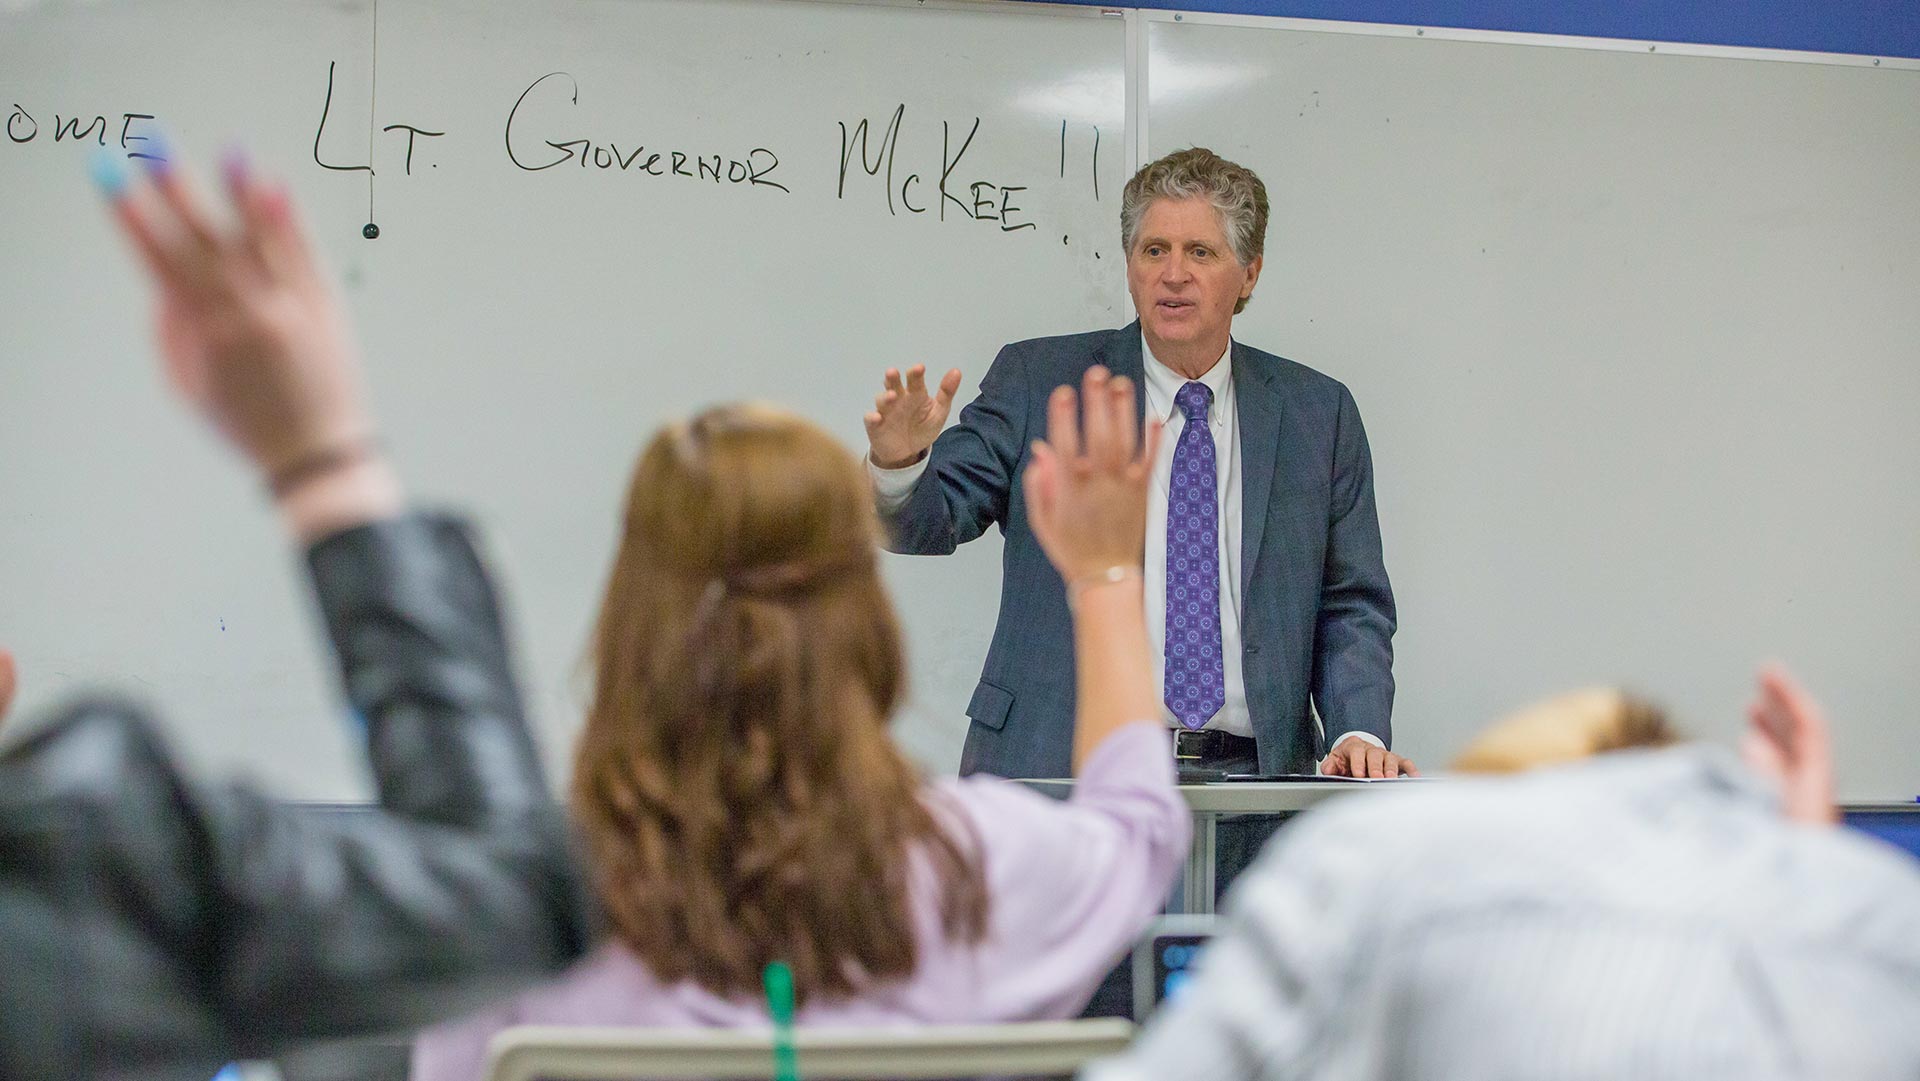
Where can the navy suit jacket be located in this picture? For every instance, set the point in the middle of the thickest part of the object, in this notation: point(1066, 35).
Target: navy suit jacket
point(1316, 611)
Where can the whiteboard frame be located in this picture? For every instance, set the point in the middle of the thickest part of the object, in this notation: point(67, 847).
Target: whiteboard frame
point(1134, 65)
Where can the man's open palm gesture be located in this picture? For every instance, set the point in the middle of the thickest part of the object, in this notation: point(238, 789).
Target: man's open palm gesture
point(906, 419)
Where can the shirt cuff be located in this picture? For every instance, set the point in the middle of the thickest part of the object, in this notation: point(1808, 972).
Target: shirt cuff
point(1368, 736)
point(893, 487)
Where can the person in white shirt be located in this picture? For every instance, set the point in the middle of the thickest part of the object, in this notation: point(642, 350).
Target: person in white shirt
point(1660, 914)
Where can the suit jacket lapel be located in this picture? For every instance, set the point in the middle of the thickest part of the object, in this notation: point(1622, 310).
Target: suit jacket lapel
point(1258, 403)
point(1122, 356)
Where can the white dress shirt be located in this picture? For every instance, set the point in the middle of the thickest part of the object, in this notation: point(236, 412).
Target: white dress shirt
point(893, 487)
point(1162, 384)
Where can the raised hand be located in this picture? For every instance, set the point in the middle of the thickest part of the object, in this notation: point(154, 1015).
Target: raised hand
point(250, 331)
point(254, 339)
point(1086, 494)
point(906, 419)
point(1788, 740)
point(1086, 486)
point(6, 683)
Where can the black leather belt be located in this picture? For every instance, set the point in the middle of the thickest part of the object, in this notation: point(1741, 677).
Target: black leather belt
point(1210, 745)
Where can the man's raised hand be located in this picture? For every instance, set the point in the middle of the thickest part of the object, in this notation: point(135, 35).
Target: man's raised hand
point(906, 418)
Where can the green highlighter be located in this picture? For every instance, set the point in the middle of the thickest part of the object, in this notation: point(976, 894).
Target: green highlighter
point(786, 1061)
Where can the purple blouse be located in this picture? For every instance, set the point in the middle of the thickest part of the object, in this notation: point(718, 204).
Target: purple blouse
point(1070, 886)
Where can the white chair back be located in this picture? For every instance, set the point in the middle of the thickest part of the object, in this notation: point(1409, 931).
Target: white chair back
point(1039, 1048)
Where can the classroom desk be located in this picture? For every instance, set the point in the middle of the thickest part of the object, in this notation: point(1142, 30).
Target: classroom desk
point(1209, 802)
point(1897, 824)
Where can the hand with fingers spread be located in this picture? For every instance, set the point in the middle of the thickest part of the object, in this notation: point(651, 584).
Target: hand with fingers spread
point(1086, 495)
point(1356, 757)
point(1788, 740)
point(1086, 487)
point(255, 340)
point(906, 418)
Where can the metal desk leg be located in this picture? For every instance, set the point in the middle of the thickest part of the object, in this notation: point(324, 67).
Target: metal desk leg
point(1197, 896)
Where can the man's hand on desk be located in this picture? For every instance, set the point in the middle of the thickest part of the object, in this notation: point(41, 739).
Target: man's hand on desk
point(1355, 757)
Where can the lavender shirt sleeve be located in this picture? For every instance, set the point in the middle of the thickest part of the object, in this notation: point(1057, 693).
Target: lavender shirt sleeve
point(1074, 883)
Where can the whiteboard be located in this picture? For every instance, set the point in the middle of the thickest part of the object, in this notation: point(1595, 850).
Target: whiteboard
point(1633, 333)
point(1637, 343)
point(526, 327)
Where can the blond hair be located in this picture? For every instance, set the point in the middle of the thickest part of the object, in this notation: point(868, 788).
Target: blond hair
point(1567, 727)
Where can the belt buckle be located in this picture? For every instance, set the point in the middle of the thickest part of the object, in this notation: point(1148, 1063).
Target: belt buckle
point(1189, 744)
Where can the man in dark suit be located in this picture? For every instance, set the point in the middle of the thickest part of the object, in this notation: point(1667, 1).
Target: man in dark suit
point(1265, 582)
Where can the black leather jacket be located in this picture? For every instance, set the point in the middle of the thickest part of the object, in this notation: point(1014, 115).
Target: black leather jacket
point(155, 928)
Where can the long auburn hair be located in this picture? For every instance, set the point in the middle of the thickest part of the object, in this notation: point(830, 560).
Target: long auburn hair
point(735, 783)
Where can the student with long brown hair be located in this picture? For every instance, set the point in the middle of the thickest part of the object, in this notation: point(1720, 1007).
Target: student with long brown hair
point(743, 803)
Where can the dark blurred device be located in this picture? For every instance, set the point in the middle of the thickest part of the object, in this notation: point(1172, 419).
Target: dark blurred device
point(1163, 960)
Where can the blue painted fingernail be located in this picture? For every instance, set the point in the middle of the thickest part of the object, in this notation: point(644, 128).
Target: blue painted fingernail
point(109, 171)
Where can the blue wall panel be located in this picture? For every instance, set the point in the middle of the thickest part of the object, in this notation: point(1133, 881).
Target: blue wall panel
point(1885, 28)
point(1898, 828)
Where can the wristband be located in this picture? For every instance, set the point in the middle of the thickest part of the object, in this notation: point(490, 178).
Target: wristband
point(1119, 573)
point(284, 480)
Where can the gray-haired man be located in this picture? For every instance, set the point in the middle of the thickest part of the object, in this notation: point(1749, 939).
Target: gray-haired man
point(1263, 574)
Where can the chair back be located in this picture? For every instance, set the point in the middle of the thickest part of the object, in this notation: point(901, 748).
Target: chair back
point(1026, 1049)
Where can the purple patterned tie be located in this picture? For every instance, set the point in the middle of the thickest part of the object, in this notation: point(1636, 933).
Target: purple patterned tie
point(1196, 680)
